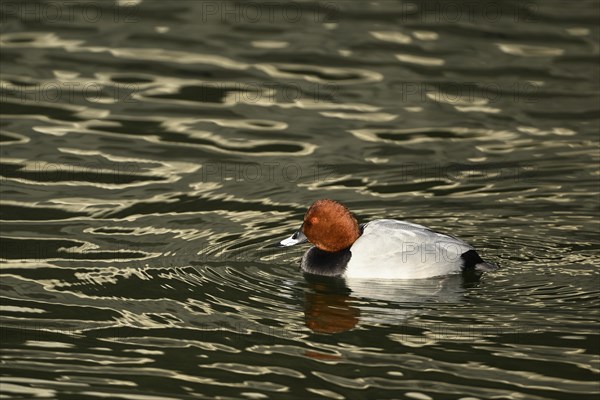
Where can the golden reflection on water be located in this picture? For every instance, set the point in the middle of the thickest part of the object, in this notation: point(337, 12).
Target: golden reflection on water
point(147, 166)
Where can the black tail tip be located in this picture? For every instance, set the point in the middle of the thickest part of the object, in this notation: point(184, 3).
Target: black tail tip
point(486, 267)
point(473, 262)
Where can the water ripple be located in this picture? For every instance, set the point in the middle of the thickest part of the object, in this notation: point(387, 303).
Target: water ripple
point(153, 153)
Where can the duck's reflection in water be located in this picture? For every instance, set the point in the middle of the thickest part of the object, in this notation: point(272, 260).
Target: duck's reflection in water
point(334, 305)
point(328, 305)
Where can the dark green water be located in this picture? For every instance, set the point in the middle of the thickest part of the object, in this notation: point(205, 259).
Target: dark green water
point(152, 150)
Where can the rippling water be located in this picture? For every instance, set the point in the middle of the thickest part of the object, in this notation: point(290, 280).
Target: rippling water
point(151, 151)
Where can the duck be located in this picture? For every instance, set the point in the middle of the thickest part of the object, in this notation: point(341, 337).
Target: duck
point(379, 249)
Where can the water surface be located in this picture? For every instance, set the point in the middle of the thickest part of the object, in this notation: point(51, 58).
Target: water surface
point(151, 151)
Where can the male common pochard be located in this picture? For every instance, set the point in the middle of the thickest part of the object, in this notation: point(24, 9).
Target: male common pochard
point(380, 249)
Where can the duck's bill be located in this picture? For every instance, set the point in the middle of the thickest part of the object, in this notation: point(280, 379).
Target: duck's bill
point(296, 238)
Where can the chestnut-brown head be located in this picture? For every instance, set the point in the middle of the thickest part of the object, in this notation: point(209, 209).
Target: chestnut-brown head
point(330, 226)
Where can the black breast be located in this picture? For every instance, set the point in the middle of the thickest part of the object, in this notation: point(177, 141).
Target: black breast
point(321, 262)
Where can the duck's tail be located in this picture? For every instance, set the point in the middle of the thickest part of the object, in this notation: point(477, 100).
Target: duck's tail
point(486, 267)
point(473, 262)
